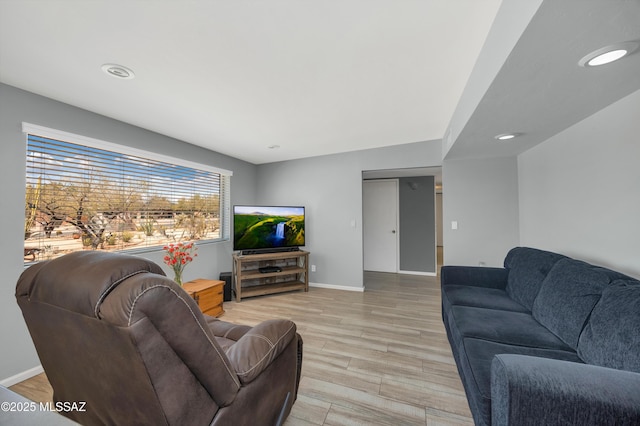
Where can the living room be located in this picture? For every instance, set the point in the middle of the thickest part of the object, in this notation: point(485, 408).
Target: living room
point(568, 183)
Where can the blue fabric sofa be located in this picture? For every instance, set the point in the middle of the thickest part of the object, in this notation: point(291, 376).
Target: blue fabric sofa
point(546, 340)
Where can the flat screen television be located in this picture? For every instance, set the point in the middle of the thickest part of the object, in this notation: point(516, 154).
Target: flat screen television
point(268, 228)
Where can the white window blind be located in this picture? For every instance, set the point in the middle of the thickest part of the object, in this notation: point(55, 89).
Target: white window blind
point(83, 197)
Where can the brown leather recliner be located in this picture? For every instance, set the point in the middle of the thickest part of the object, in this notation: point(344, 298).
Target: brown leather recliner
point(112, 331)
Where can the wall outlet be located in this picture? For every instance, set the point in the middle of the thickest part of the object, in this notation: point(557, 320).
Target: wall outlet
point(313, 268)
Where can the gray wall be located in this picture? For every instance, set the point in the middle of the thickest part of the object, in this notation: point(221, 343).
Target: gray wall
point(580, 190)
point(17, 106)
point(482, 196)
point(417, 224)
point(331, 189)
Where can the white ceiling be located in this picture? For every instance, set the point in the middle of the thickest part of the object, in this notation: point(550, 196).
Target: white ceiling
point(236, 76)
point(539, 89)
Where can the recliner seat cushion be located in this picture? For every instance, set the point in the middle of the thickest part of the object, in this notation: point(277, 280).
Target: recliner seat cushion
point(611, 338)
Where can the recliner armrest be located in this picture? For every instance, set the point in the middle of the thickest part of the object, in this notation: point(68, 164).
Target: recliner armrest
point(528, 390)
point(479, 276)
point(257, 348)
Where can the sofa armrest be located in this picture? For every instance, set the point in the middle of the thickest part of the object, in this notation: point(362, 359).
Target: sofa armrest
point(479, 276)
point(258, 347)
point(528, 390)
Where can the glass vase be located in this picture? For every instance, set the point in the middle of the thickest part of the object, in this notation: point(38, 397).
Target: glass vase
point(177, 276)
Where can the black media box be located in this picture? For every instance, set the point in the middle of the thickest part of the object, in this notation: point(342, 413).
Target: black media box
point(226, 277)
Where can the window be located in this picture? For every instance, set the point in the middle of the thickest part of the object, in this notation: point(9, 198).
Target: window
point(85, 194)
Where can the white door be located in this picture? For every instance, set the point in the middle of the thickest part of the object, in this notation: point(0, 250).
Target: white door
point(380, 225)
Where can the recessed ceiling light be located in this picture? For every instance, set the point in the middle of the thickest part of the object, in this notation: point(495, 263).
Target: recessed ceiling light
point(607, 57)
point(507, 136)
point(118, 71)
point(608, 54)
point(273, 146)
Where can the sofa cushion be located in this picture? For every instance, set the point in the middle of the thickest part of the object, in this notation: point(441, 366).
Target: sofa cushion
point(477, 276)
point(567, 295)
point(480, 297)
point(513, 328)
point(528, 267)
point(611, 337)
point(475, 364)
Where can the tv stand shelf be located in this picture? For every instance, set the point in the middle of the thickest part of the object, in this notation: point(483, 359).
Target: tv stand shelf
point(249, 281)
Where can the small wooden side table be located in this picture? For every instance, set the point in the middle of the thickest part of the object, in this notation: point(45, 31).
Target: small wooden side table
point(208, 294)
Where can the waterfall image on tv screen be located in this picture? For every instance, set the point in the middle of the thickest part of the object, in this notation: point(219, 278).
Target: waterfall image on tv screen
point(259, 227)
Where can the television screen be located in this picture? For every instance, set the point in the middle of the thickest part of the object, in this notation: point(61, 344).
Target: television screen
point(267, 227)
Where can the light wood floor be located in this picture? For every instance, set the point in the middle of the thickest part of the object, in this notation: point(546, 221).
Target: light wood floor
point(375, 358)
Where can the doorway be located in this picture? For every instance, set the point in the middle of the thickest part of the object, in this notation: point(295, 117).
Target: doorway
point(417, 240)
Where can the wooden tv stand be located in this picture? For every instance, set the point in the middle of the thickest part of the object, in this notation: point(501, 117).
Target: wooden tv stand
point(249, 281)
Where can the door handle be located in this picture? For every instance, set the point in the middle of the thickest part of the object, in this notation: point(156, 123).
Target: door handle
point(393, 231)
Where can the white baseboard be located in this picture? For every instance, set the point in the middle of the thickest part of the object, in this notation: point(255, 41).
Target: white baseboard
point(337, 287)
point(20, 377)
point(428, 274)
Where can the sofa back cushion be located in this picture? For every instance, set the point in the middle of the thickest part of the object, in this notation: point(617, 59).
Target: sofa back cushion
point(528, 267)
point(611, 338)
point(567, 296)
